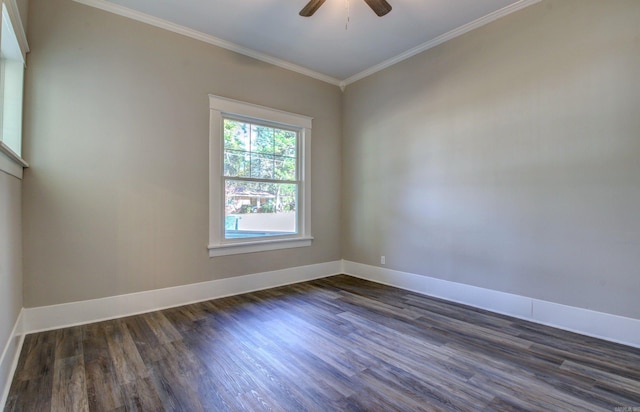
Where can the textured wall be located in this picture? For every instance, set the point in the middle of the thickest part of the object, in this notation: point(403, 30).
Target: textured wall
point(117, 117)
point(507, 158)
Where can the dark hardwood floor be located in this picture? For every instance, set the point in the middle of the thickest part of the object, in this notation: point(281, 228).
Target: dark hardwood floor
point(334, 344)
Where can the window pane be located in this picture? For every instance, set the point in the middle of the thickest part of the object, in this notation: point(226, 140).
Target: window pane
point(237, 163)
point(236, 135)
point(261, 166)
point(285, 143)
point(259, 209)
point(261, 139)
point(12, 82)
point(285, 168)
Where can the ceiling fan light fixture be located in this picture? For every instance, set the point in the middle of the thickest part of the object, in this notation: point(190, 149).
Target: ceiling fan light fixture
point(379, 7)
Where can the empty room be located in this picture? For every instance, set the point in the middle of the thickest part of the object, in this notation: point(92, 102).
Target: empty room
point(294, 205)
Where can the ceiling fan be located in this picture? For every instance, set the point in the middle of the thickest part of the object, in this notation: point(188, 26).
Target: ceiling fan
point(380, 7)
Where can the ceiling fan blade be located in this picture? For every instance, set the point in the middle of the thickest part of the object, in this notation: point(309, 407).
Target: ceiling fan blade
point(311, 8)
point(379, 7)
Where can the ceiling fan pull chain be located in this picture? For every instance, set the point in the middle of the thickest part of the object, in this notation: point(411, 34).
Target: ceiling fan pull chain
point(348, 8)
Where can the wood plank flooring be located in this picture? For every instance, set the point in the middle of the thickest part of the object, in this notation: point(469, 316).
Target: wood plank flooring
point(334, 344)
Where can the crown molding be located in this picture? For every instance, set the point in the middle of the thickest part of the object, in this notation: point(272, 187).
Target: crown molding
point(207, 38)
point(216, 41)
point(440, 39)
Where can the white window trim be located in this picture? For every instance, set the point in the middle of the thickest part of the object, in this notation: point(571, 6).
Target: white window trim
point(10, 161)
point(218, 245)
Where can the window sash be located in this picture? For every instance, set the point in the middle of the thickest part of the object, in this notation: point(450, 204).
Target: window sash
point(251, 233)
point(251, 154)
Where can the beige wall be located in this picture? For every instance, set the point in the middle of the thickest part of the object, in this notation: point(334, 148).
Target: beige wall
point(117, 116)
point(508, 158)
point(10, 257)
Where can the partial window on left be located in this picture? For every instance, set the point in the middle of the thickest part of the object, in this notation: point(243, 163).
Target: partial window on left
point(13, 50)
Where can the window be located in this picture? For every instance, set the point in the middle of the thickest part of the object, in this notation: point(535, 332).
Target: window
point(259, 178)
point(13, 49)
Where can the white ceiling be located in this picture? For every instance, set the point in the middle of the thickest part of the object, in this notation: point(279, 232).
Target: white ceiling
point(322, 46)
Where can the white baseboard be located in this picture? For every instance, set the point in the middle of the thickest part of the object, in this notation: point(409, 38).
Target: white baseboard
point(600, 325)
point(95, 310)
point(9, 359)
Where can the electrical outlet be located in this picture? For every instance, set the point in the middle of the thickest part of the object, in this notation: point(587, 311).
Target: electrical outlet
point(382, 260)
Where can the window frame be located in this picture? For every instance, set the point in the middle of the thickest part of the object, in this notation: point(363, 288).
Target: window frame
point(11, 161)
point(221, 108)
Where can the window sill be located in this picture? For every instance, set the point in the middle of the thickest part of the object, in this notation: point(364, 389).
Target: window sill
point(10, 162)
point(224, 249)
